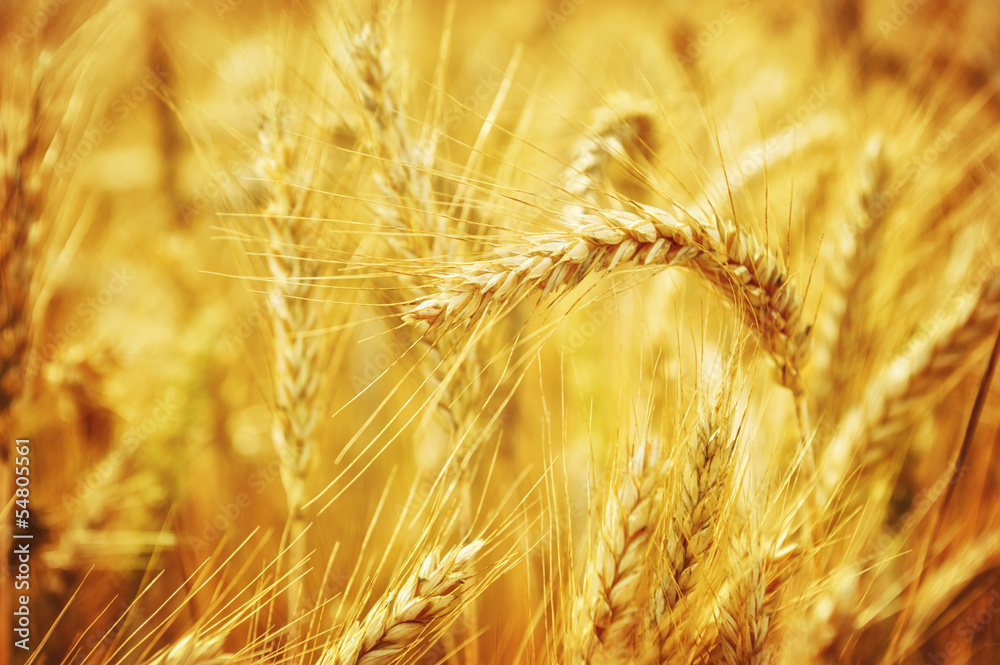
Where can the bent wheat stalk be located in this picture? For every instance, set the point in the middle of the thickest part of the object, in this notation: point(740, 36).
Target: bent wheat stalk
point(723, 253)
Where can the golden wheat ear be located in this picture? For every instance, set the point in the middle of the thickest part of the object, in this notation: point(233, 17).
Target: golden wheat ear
point(408, 618)
point(606, 613)
point(704, 486)
point(847, 289)
point(744, 617)
point(402, 167)
point(620, 131)
point(723, 253)
point(914, 380)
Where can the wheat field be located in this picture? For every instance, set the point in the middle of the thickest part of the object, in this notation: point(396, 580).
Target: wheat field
point(530, 331)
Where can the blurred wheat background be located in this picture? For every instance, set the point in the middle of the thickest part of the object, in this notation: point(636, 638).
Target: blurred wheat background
point(502, 332)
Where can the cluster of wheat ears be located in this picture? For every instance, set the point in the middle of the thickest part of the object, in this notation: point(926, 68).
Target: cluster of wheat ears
point(447, 332)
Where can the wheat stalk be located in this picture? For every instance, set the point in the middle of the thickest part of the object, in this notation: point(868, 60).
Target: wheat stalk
point(744, 617)
point(849, 276)
point(419, 608)
point(691, 532)
point(194, 649)
point(620, 129)
point(895, 398)
point(605, 614)
point(720, 251)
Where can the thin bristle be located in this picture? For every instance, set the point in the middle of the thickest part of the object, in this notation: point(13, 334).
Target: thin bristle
point(194, 649)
